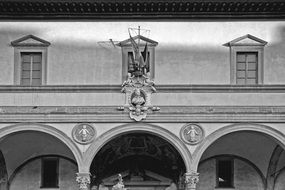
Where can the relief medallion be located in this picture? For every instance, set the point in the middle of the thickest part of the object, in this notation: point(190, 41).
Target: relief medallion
point(192, 133)
point(84, 133)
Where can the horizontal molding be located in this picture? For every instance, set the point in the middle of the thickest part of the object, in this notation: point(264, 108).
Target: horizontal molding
point(160, 89)
point(169, 114)
point(152, 9)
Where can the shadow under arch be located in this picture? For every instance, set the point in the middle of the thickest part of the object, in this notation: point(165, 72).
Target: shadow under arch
point(19, 168)
point(21, 127)
point(211, 138)
point(138, 127)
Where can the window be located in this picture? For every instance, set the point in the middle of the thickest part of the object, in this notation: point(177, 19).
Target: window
point(30, 59)
point(131, 62)
point(246, 69)
point(31, 69)
point(49, 173)
point(224, 172)
point(127, 55)
point(246, 60)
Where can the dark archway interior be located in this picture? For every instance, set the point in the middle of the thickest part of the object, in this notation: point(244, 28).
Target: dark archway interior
point(138, 155)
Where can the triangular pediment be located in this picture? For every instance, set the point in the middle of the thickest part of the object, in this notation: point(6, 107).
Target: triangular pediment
point(143, 40)
point(30, 40)
point(246, 40)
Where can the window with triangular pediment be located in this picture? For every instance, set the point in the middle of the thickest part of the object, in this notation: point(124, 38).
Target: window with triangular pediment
point(30, 57)
point(146, 49)
point(246, 60)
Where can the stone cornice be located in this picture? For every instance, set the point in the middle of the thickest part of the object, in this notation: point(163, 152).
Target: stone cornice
point(160, 89)
point(171, 114)
point(147, 9)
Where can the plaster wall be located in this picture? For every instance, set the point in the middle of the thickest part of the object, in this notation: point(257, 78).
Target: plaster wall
point(29, 177)
point(245, 176)
point(188, 52)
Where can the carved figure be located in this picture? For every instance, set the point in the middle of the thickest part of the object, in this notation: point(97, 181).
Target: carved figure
point(138, 99)
point(192, 134)
point(84, 133)
point(129, 80)
point(120, 185)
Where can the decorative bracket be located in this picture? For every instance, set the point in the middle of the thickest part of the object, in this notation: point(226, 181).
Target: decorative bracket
point(138, 90)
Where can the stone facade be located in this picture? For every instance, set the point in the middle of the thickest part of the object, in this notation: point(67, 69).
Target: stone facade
point(178, 120)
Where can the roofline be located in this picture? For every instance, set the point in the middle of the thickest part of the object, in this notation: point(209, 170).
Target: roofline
point(145, 9)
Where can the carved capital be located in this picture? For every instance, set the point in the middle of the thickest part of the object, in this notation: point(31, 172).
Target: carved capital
point(191, 180)
point(83, 180)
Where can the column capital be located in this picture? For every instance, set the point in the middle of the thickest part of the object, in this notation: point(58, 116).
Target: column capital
point(83, 180)
point(191, 180)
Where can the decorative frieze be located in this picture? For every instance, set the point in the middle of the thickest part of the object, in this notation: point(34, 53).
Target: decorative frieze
point(180, 114)
point(142, 9)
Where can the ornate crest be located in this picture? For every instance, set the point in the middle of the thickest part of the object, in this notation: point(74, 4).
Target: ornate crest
point(192, 133)
point(138, 87)
point(83, 133)
point(138, 90)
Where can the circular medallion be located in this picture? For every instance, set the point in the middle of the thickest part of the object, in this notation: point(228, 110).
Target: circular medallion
point(192, 133)
point(83, 133)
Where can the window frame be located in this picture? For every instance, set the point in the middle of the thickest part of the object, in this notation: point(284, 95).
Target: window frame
point(217, 171)
point(30, 71)
point(42, 172)
point(18, 63)
point(246, 68)
point(126, 47)
point(29, 44)
point(247, 49)
point(125, 60)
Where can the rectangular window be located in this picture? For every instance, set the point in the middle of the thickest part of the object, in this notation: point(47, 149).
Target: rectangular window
point(224, 172)
point(31, 69)
point(246, 68)
point(50, 172)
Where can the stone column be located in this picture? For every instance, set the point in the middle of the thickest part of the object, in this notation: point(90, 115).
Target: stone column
point(83, 180)
point(191, 179)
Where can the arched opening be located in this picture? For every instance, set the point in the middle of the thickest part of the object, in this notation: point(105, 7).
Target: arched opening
point(30, 150)
point(241, 159)
point(144, 160)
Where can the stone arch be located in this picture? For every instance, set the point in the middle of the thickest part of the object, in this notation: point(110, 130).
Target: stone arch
point(138, 127)
point(48, 130)
point(275, 134)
